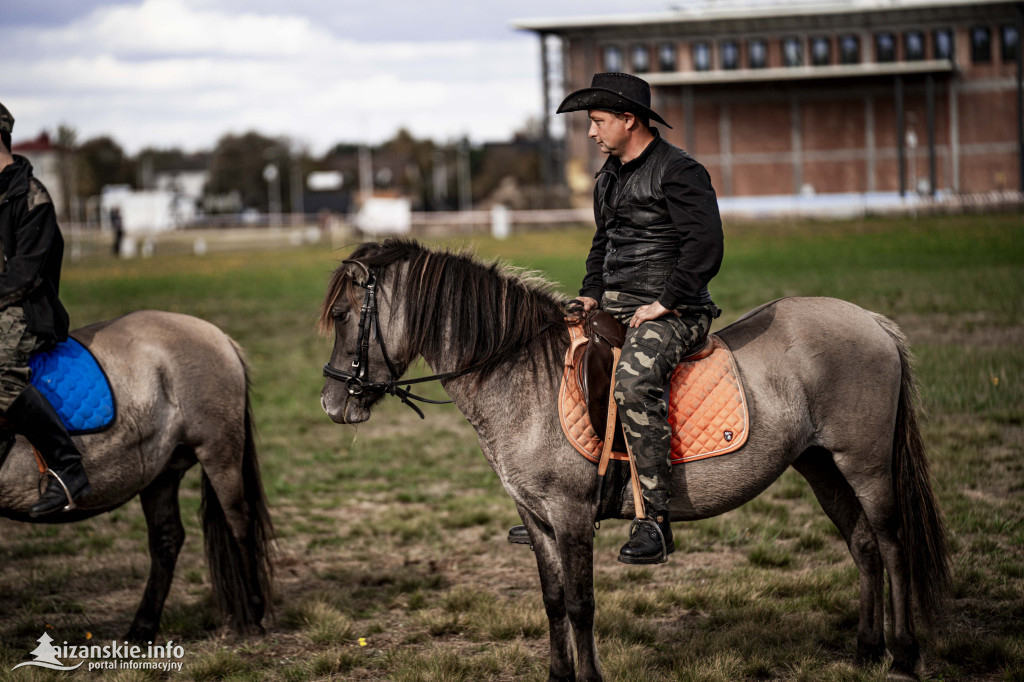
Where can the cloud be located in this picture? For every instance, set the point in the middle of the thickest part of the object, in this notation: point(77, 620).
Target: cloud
point(165, 72)
point(173, 27)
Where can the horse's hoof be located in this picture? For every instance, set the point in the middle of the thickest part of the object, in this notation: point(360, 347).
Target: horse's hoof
point(904, 669)
point(142, 635)
point(251, 630)
point(906, 661)
point(869, 655)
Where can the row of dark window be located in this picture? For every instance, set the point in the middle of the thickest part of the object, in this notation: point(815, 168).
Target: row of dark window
point(820, 50)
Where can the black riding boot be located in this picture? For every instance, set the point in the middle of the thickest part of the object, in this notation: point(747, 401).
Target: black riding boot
point(33, 416)
point(518, 535)
point(650, 540)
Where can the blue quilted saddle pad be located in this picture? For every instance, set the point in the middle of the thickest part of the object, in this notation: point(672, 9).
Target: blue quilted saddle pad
point(74, 383)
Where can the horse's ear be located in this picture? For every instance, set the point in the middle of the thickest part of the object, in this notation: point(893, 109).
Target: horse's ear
point(355, 270)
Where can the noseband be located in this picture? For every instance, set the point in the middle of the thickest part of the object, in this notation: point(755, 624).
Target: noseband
point(357, 380)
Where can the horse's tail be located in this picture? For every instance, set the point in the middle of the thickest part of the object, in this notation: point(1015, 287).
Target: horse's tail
point(240, 568)
point(922, 528)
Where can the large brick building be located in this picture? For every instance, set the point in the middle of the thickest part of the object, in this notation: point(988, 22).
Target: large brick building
point(868, 96)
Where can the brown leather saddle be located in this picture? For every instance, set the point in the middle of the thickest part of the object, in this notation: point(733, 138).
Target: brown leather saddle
point(595, 368)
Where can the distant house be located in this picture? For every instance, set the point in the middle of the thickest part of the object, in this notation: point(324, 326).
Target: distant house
point(325, 192)
point(186, 183)
point(812, 97)
point(45, 159)
point(146, 211)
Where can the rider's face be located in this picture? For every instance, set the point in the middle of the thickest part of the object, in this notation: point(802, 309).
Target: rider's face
point(610, 131)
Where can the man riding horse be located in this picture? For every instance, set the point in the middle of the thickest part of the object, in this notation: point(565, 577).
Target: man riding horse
point(32, 318)
point(658, 243)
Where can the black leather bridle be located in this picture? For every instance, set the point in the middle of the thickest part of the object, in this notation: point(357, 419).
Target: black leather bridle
point(357, 380)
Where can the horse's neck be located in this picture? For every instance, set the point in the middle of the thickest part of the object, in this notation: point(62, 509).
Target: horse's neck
point(512, 402)
point(508, 396)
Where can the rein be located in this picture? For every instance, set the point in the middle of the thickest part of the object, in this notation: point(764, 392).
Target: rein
point(357, 380)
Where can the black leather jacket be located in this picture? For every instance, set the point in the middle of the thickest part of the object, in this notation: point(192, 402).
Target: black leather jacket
point(33, 249)
point(659, 233)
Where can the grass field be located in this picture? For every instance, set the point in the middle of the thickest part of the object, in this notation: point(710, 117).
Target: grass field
point(392, 561)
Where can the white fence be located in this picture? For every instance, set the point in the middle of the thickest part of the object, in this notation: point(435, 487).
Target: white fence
point(497, 221)
point(283, 230)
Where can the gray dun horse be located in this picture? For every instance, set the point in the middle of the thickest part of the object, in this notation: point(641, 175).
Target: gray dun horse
point(830, 393)
point(182, 393)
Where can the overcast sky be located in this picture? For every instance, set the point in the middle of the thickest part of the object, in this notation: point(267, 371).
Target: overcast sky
point(183, 72)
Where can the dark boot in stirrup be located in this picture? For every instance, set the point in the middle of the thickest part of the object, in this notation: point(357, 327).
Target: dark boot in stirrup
point(33, 416)
point(650, 540)
point(517, 535)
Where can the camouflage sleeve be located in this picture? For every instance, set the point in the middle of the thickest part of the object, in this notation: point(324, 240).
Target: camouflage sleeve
point(33, 236)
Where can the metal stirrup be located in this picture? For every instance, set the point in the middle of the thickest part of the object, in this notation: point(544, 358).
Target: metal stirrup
point(67, 493)
point(661, 536)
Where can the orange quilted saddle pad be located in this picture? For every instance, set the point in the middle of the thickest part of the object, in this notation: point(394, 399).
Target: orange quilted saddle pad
point(707, 412)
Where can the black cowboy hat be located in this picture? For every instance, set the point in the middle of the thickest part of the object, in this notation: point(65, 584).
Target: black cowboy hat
point(615, 92)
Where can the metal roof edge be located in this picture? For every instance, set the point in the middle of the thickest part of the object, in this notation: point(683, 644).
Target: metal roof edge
point(738, 12)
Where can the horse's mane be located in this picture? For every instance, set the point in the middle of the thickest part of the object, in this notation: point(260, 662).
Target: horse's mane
point(491, 310)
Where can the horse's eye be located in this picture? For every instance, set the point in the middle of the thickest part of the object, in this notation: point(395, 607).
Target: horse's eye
point(340, 315)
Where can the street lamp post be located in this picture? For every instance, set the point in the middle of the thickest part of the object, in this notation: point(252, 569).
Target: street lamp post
point(462, 169)
point(297, 196)
point(273, 178)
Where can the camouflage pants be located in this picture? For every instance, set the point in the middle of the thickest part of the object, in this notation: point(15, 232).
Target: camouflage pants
point(649, 355)
point(16, 346)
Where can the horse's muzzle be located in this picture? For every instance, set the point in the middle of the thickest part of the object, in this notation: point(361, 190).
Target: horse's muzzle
point(345, 409)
